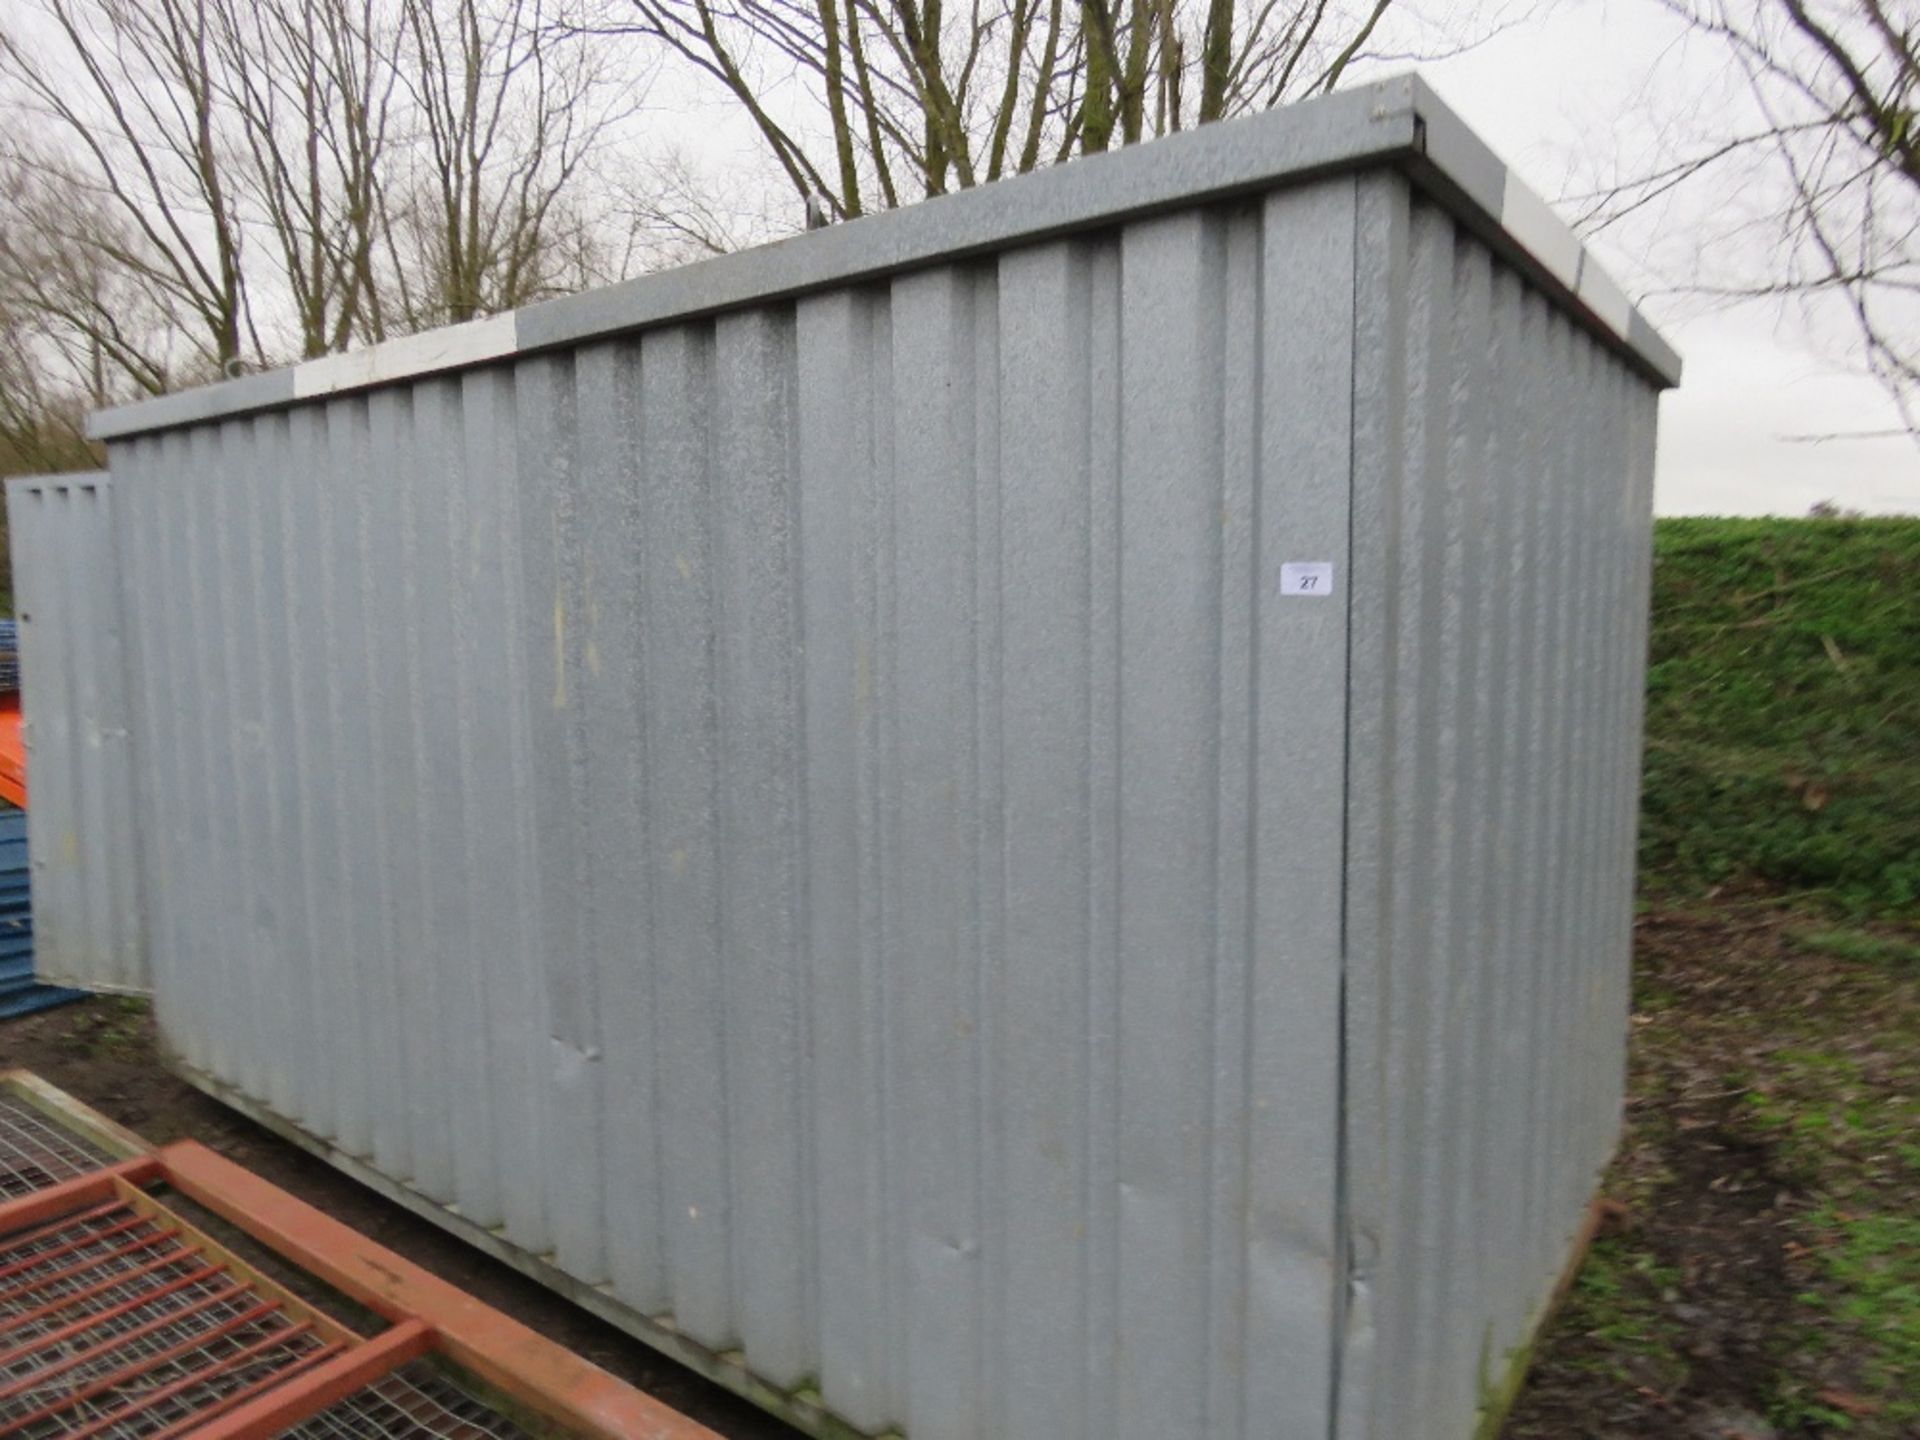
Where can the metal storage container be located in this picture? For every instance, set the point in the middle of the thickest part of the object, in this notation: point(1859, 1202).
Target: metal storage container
point(1011, 819)
point(74, 704)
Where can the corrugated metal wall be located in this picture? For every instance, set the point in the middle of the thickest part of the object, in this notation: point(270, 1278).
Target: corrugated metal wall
point(820, 818)
point(1503, 498)
point(74, 701)
point(824, 818)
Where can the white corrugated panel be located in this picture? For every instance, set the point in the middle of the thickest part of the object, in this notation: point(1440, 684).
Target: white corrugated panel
point(81, 829)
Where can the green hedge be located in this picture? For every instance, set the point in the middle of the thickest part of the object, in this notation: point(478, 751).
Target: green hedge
point(1783, 710)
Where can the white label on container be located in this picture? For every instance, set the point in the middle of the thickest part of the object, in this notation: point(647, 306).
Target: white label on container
point(1306, 577)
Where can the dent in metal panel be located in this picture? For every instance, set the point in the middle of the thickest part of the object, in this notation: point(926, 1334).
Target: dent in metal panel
point(1411, 903)
point(278, 878)
point(554, 626)
point(368, 1110)
point(167, 741)
point(1556, 563)
point(409, 1142)
point(1169, 701)
point(1452, 1061)
point(262, 951)
point(609, 691)
point(1485, 832)
point(53, 677)
point(307, 748)
point(306, 989)
point(1574, 602)
point(201, 717)
point(990, 838)
point(840, 402)
point(164, 885)
point(1500, 1024)
point(1232, 942)
point(447, 957)
point(500, 837)
point(224, 609)
point(757, 805)
point(935, 937)
point(1380, 304)
point(681, 728)
point(1041, 1055)
point(1299, 647)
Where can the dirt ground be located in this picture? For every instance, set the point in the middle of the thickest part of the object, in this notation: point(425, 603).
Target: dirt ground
point(1758, 1278)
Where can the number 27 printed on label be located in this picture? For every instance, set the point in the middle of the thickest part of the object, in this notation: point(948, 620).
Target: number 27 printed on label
point(1310, 578)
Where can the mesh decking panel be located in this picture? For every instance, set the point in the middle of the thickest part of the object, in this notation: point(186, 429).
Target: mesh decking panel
point(416, 1403)
point(36, 1153)
point(115, 1325)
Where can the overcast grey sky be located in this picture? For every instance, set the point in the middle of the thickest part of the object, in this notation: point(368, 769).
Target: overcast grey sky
point(1573, 86)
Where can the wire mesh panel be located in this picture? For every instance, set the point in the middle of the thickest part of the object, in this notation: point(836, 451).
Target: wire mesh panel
point(417, 1403)
point(116, 1323)
point(121, 1317)
point(35, 1152)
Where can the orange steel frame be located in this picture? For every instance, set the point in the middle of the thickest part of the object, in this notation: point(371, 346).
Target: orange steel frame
point(13, 753)
point(426, 1314)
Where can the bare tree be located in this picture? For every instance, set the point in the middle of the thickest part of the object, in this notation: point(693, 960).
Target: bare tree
point(867, 104)
point(510, 116)
point(86, 303)
point(307, 87)
point(671, 210)
point(1817, 165)
point(58, 316)
point(286, 177)
point(42, 430)
point(131, 87)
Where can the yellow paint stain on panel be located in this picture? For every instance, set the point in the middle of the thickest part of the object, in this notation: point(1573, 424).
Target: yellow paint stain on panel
point(686, 570)
point(559, 622)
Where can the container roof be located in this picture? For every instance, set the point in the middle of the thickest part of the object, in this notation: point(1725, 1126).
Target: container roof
point(1398, 122)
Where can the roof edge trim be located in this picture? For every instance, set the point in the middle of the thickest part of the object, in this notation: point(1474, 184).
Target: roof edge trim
point(1394, 121)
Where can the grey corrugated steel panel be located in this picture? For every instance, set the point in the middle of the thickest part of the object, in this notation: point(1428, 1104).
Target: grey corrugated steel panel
point(74, 705)
point(819, 821)
point(1398, 119)
point(1503, 496)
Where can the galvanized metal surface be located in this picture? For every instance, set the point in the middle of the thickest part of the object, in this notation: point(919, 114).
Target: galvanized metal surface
point(1502, 496)
point(80, 819)
point(1398, 121)
point(848, 836)
point(737, 809)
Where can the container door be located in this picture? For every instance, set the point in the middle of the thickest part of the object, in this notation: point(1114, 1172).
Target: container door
point(73, 701)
